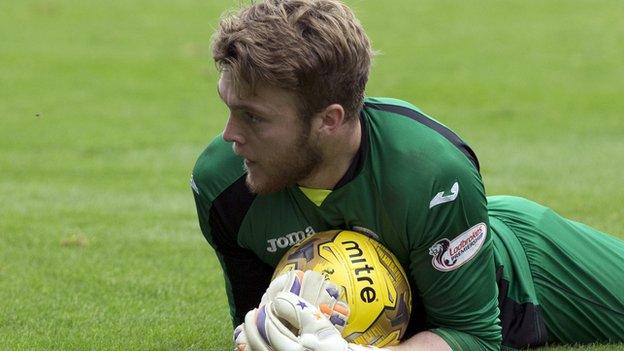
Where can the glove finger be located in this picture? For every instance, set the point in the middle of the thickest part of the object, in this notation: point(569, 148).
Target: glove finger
point(256, 335)
point(286, 306)
point(315, 331)
point(332, 290)
point(280, 335)
point(240, 339)
point(332, 307)
point(338, 314)
point(318, 290)
point(302, 315)
point(288, 281)
point(239, 335)
point(312, 288)
point(265, 331)
point(295, 284)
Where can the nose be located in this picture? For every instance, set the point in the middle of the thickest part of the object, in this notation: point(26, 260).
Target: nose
point(232, 133)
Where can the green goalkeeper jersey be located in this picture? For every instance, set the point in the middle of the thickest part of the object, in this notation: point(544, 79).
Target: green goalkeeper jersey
point(414, 184)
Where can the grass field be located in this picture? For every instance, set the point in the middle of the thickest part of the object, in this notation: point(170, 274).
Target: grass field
point(105, 105)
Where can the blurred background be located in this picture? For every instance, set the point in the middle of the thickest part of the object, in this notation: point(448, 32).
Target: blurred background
point(104, 107)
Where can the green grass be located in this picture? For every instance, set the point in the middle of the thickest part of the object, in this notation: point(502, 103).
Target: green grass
point(105, 105)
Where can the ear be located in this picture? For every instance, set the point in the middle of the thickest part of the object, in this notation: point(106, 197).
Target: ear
point(331, 118)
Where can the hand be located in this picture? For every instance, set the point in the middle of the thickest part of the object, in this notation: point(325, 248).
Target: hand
point(289, 323)
point(240, 339)
point(312, 287)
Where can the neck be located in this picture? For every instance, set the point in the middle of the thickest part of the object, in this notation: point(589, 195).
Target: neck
point(338, 153)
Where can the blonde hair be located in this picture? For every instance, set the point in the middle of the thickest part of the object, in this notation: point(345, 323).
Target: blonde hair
point(314, 48)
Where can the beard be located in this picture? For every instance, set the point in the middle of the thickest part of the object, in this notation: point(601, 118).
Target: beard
point(286, 167)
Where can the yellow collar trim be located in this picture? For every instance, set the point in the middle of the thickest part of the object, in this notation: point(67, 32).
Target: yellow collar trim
point(317, 196)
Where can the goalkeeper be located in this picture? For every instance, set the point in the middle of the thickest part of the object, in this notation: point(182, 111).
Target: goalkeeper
point(303, 151)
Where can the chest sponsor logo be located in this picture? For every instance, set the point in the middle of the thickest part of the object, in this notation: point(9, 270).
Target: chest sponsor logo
point(440, 198)
point(289, 239)
point(452, 254)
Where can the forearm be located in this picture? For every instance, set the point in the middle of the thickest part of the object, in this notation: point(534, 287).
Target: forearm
point(423, 341)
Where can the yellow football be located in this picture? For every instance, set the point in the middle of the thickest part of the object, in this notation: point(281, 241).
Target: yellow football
point(370, 278)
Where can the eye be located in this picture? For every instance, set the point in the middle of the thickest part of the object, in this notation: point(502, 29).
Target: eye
point(253, 119)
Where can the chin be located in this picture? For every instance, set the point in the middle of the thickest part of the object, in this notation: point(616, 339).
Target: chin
point(264, 185)
point(260, 186)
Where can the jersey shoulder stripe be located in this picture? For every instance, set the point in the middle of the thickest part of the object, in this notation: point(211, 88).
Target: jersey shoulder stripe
point(220, 187)
point(227, 213)
point(216, 169)
point(404, 109)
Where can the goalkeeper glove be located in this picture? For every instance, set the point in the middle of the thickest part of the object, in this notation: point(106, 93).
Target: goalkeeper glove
point(289, 323)
point(312, 287)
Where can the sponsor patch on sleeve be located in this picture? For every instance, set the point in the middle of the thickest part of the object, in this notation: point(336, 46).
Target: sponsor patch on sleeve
point(452, 254)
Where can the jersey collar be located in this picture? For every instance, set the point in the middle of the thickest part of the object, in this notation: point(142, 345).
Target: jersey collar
point(357, 163)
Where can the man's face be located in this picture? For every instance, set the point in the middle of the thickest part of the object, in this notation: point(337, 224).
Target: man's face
point(266, 130)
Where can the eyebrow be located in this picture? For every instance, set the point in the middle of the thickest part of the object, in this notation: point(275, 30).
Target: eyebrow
point(243, 106)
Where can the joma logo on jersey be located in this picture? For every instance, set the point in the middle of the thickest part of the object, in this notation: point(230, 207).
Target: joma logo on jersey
point(289, 239)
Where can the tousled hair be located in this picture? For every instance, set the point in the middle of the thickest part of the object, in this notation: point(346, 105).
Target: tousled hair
point(316, 49)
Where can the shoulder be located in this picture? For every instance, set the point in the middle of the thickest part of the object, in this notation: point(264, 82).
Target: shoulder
point(398, 112)
point(388, 104)
point(414, 157)
point(217, 168)
point(407, 140)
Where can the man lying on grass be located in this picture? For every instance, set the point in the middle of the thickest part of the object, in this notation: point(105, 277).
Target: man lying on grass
point(304, 150)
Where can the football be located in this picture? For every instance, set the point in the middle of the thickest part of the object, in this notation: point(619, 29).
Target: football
point(371, 280)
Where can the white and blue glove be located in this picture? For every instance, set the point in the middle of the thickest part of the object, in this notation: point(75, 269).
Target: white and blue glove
point(240, 339)
point(313, 288)
point(289, 323)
